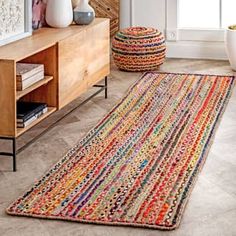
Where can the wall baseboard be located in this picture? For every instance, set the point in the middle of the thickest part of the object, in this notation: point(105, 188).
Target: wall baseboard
point(196, 50)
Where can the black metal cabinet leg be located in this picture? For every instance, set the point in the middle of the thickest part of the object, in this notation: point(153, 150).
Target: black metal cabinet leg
point(106, 88)
point(102, 87)
point(10, 154)
point(14, 153)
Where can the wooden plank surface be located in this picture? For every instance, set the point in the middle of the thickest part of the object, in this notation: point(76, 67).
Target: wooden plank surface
point(41, 40)
point(108, 9)
point(7, 98)
point(84, 59)
point(98, 53)
point(71, 68)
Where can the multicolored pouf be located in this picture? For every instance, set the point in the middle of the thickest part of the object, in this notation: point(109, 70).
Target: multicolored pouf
point(138, 49)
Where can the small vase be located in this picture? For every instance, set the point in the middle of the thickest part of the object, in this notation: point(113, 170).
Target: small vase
point(231, 46)
point(84, 14)
point(59, 13)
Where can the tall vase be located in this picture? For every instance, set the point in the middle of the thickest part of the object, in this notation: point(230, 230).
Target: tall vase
point(59, 13)
point(231, 46)
point(84, 14)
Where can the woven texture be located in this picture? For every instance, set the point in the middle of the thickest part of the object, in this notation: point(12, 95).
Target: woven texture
point(138, 165)
point(108, 9)
point(138, 49)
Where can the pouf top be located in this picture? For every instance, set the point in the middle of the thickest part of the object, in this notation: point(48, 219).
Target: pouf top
point(139, 32)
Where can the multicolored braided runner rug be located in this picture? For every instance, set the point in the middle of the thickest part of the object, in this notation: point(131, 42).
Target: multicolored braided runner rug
point(138, 165)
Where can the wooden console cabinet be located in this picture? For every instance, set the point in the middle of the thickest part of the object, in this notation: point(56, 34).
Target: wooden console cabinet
point(75, 58)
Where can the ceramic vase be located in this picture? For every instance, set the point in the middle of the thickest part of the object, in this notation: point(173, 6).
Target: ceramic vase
point(59, 13)
point(84, 14)
point(231, 46)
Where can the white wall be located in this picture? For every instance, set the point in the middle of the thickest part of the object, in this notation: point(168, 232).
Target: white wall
point(153, 13)
point(150, 13)
point(125, 14)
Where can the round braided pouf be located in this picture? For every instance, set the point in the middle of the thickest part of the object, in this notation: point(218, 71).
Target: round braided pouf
point(138, 49)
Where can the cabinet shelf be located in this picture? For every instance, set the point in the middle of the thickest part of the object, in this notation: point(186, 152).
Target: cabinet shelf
point(20, 94)
point(20, 131)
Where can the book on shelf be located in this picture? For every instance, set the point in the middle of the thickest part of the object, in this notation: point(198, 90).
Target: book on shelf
point(27, 74)
point(21, 85)
point(25, 123)
point(26, 110)
point(26, 70)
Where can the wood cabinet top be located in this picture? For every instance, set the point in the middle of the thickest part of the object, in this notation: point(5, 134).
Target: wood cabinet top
point(42, 39)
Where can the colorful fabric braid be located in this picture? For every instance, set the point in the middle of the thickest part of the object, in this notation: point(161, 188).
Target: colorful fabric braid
point(138, 49)
point(138, 165)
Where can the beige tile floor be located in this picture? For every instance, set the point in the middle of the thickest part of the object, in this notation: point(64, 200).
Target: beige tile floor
point(211, 210)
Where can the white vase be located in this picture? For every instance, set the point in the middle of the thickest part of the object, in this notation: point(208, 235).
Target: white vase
point(231, 47)
point(59, 13)
point(84, 14)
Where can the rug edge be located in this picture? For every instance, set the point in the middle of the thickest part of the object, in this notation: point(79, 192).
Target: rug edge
point(218, 122)
point(97, 222)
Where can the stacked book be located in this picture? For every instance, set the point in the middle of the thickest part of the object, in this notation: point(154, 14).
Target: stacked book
point(27, 74)
point(28, 112)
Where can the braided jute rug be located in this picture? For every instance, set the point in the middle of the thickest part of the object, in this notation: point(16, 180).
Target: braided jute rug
point(137, 167)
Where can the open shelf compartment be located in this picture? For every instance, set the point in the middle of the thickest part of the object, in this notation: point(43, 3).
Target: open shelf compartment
point(20, 131)
point(20, 94)
point(43, 91)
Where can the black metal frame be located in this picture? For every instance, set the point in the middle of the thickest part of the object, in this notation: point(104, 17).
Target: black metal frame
point(10, 154)
point(14, 152)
